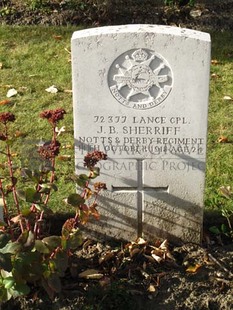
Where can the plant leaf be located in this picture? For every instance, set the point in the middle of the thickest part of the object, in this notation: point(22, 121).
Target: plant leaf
point(5, 261)
point(75, 200)
point(52, 241)
point(8, 282)
point(32, 195)
point(94, 173)
point(54, 282)
point(4, 239)
point(41, 247)
point(215, 230)
point(81, 180)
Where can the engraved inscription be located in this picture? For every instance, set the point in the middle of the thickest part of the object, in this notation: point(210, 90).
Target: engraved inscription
point(142, 136)
point(140, 79)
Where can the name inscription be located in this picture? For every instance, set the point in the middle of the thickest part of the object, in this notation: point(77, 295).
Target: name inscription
point(139, 135)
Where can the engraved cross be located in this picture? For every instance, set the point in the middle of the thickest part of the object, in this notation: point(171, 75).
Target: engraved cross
point(140, 190)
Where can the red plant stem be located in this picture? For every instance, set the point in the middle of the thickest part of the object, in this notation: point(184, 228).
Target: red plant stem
point(52, 177)
point(8, 153)
point(4, 204)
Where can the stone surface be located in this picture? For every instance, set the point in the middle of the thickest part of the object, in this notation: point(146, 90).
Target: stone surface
point(140, 94)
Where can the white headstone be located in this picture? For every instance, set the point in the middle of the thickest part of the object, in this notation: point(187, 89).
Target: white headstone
point(140, 94)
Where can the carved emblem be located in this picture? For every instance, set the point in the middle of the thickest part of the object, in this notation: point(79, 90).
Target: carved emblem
point(140, 79)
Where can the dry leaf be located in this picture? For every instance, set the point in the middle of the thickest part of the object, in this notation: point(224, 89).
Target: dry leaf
point(11, 92)
point(226, 191)
point(68, 51)
point(67, 91)
point(52, 89)
point(215, 76)
point(193, 268)
point(195, 13)
point(151, 288)
point(157, 258)
point(57, 37)
point(214, 62)
point(106, 257)
point(64, 157)
point(16, 218)
point(90, 274)
point(67, 146)
point(105, 282)
point(141, 241)
point(227, 98)
point(164, 245)
point(222, 139)
point(19, 134)
point(4, 102)
point(134, 252)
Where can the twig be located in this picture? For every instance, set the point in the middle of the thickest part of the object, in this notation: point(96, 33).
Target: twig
point(217, 262)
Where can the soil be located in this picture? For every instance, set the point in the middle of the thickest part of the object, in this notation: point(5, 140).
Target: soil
point(208, 15)
point(128, 277)
point(192, 276)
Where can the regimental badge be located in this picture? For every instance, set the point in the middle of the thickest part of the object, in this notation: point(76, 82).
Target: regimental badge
point(140, 79)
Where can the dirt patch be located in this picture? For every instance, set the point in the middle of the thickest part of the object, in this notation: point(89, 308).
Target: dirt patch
point(125, 277)
point(205, 15)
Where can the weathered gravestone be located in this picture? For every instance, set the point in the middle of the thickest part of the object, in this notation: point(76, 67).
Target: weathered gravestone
point(140, 94)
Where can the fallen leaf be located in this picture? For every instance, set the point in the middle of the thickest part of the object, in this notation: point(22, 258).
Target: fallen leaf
point(16, 218)
point(164, 245)
point(227, 98)
point(215, 76)
point(222, 139)
point(145, 274)
point(106, 257)
point(68, 51)
point(11, 92)
point(226, 191)
point(151, 288)
point(193, 268)
point(90, 274)
point(157, 258)
point(19, 134)
point(214, 62)
point(52, 89)
point(105, 282)
point(134, 252)
point(57, 37)
point(67, 146)
point(141, 241)
point(67, 91)
point(195, 13)
point(4, 102)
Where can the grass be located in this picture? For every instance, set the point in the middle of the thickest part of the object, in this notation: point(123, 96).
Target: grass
point(219, 157)
point(34, 58)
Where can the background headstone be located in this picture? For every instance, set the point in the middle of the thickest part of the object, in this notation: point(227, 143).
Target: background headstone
point(140, 94)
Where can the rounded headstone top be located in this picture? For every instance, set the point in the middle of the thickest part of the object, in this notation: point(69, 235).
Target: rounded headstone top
point(142, 28)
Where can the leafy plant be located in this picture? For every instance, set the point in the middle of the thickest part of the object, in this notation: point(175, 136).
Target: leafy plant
point(179, 2)
point(28, 255)
point(36, 4)
point(227, 211)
